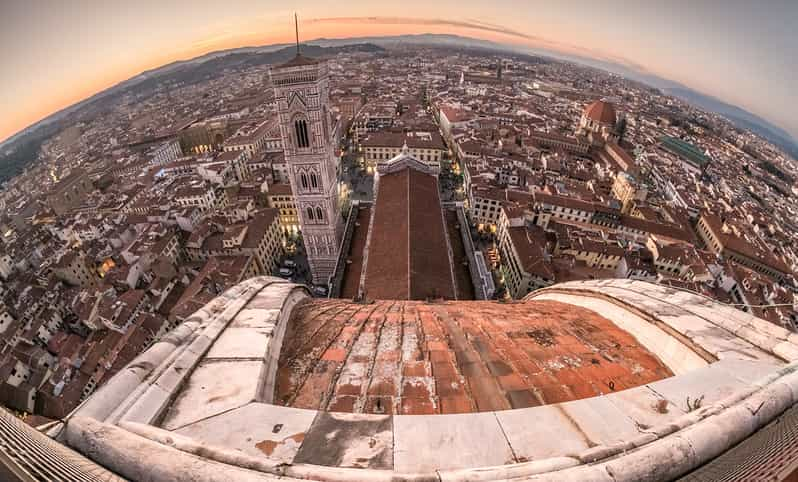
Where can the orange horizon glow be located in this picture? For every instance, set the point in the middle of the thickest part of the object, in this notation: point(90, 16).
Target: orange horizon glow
point(196, 49)
point(62, 55)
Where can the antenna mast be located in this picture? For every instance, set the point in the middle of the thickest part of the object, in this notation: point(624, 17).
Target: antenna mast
point(296, 25)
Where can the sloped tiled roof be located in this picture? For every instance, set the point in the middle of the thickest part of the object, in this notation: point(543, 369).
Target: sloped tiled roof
point(415, 358)
point(400, 263)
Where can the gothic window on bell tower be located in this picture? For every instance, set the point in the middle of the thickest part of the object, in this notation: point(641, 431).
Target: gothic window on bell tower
point(301, 133)
point(324, 121)
point(301, 90)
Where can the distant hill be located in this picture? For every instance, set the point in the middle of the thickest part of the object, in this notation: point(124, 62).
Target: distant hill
point(206, 66)
point(413, 39)
point(21, 149)
point(740, 117)
point(212, 65)
point(225, 58)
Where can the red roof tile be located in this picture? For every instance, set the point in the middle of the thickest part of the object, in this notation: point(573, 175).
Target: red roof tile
point(416, 358)
point(400, 264)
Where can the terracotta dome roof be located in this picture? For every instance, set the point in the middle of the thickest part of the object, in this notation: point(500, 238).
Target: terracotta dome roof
point(602, 112)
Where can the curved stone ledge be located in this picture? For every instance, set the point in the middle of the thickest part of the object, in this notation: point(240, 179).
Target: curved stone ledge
point(666, 452)
point(202, 408)
point(689, 315)
point(138, 458)
point(160, 370)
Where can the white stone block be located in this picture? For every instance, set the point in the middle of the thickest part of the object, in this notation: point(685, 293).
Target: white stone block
point(240, 343)
point(214, 387)
point(256, 429)
point(425, 443)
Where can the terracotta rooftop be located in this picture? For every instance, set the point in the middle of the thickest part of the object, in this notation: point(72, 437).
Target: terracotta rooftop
point(398, 139)
point(600, 111)
point(400, 264)
point(405, 357)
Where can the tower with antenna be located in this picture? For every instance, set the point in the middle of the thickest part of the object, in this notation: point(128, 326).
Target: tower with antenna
point(296, 27)
point(310, 138)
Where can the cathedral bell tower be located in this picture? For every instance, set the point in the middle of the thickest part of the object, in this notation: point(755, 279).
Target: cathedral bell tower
point(301, 90)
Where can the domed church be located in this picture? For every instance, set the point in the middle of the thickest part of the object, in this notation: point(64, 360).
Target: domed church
point(598, 122)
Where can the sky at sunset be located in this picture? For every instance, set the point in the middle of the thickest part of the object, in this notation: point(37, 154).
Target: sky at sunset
point(55, 53)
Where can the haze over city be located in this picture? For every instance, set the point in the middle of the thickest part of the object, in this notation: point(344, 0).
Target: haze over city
point(59, 53)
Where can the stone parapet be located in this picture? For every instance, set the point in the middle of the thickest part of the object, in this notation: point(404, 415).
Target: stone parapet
point(202, 408)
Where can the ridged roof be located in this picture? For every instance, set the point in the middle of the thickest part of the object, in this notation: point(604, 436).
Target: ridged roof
point(468, 356)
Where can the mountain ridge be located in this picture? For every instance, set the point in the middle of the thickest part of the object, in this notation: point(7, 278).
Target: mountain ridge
point(738, 116)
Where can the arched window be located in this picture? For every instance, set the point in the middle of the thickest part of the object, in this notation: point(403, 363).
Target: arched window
point(310, 213)
point(313, 181)
point(303, 180)
point(297, 133)
point(319, 214)
point(301, 132)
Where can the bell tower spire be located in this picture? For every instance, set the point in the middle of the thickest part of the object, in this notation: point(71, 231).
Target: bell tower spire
point(296, 26)
point(310, 142)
